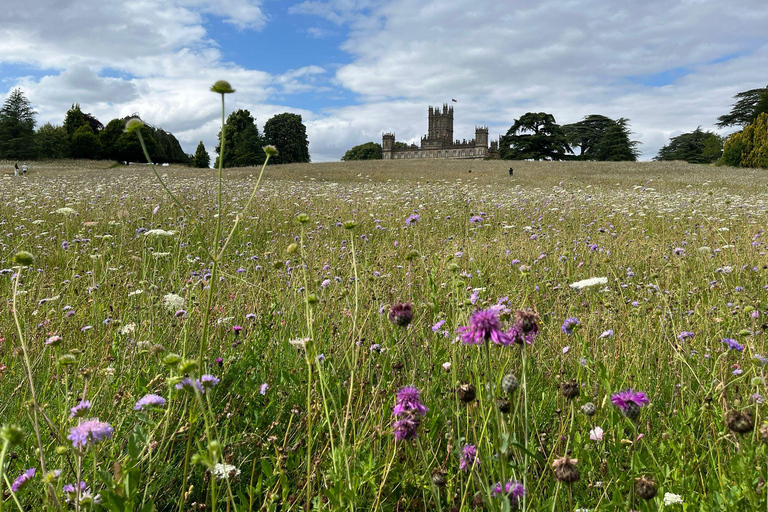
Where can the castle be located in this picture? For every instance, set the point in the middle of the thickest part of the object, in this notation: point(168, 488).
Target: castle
point(439, 143)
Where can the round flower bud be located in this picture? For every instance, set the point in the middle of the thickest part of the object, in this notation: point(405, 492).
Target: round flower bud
point(292, 248)
point(509, 383)
point(350, 224)
point(740, 422)
point(302, 218)
point(222, 87)
point(570, 389)
point(438, 477)
point(504, 405)
point(466, 392)
point(67, 360)
point(187, 366)
point(270, 150)
point(132, 124)
point(214, 446)
point(645, 488)
point(412, 255)
point(12, 433)
point(632, 410)
point(565, 470)
point(24, 258)
point(312, 298)
point(589, 409)
point(171, 359)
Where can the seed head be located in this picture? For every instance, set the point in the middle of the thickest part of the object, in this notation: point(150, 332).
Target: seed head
point(133, 124)
point(645, 488)
point(12, 433)
point(570, 389)
point(401, 314)
point(504, 405)
point(302, 218)
point(589, 409)
point(740, 422)
point(24, 258)
point(438, 477)
point(270, 150)
point(350, 224)
point(565, 470)
point(222, 87)
point(509, 383)
point(466, 392)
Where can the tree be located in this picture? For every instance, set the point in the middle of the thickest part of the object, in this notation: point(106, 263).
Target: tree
point(129, 149)
point(535, 136)
point(748, 106)
point(17, 127)
point(243, 144)
point(749, 147)
point(367, 151)
point(73, 119)
point(587, 133)
point(696, 147)
point(85, 144)
point(615, 145)
point(109, 136)
point(168, 147)
point(202, 158)
point(289, 135)
point(52, 142)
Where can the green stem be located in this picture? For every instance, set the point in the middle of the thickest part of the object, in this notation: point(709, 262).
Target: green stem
point(6, 444)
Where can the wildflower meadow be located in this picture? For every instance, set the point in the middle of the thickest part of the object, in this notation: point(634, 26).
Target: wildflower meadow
point(394, 336)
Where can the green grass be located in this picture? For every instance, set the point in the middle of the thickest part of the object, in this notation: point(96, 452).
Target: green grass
point(550, 225)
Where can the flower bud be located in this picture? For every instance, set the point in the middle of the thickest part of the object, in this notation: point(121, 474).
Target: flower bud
point(222, 87)
point(132, 124)
point(12, 433)
point(24, 258)
point(270, 150)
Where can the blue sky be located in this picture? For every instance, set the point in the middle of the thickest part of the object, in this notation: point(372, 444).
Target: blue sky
point(356, 68)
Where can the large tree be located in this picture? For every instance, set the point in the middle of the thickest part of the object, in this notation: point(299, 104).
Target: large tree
point(109, 136)
point(615, 145)
point(52, 142)
point(749, 147)
point(749, 104)
point(535, 136)
point(128, 147)
point(289, 135)
point(587, 133)
point(202, 159)
point(696, 147)
point(17, 127)
point(367, 151)
point(242, 143)
point(85, 144)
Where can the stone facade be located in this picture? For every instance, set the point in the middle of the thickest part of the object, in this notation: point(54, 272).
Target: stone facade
point(439, 142)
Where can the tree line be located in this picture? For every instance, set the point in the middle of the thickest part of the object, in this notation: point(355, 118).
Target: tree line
point(83, 136)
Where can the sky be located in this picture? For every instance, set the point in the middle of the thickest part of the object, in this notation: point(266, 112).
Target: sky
point(356, 68)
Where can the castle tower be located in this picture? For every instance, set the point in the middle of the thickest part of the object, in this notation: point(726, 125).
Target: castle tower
point(387, 145)
point(481, 141)
point(441, 124)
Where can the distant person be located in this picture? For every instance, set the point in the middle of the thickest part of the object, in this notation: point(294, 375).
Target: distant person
point(16, 169)
point(24, 169)
point(510, 171)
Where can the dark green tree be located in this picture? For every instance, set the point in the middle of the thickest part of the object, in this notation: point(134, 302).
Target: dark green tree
point(52, 142)
point(202, 158)
point(243, 144)
point(168, 148)
point(748, 147)
point(74, 119)
point(696, 147)
point(749, 105)
point(587, 133)
point(289, 135)
point(535, 136)
point(615, 145)
point(85, 144)
point(108, 137)
point(129, 149)
point(17, 127)
point(367, 151)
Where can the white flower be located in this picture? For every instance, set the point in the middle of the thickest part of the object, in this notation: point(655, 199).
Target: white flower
point(173, 302)
point(672, 499)
point(596, 434)
point(135, 292)
point(225, 471)
point(157, 255)
point(159, 232)
point(586, 283)
point(127, 328)
point(66, 211)
point(300, 343)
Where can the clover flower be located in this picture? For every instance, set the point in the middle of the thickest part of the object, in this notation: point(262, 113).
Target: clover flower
point(484, 325)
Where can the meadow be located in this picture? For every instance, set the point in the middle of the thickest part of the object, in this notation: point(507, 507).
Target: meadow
point(395, 336)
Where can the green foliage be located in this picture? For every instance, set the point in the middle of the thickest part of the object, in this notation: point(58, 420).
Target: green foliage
point(615, 145)
point(129, 149)
point(202, 159)
point(696, 147)
point(289, 135)
point(535, 136)
point(74, 119)
point(168, 147)
point(85, 144)
point(52, 142)
point(749, 147)
point(243, 144)
point(748, 106)
point(367, 151)
point(109, 136)
point(17, 127)
point(601, 138)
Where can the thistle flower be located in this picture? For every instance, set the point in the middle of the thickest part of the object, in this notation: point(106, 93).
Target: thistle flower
point(91, 429)
point(401, 314)
point(22, 480)
point(565, 470)
point(80, 409)
point(406, 426)
point(629, 402)
point(148, 402)
point(469, 459)
point(645, 488)
point(513, 489)
point(484, 325)
point(408, 399)
point(570, 325)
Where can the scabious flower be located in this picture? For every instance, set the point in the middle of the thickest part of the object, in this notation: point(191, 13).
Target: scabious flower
point(569, 325)
point(53, 340)
point(263, 389)
point(148, 402)
point(80, 409)
point(469, 459)
point(188, 384)
point(91, 429)
point(208, 381)
point(606, 334)
point(630, 402)
point(733, 344)
point(412, 219)
point(401, 314)
point(685, 335)
point(484, 325)
point(22, 480)
point(408, 399)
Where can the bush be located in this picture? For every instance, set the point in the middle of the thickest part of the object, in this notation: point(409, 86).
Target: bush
point(749, 147)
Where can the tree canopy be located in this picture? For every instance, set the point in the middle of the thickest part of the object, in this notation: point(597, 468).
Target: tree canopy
point(17, 127)
point(52, 142)
point(202, 159)
point(535, 136)
point(367, 151)
point(749, 147)
point(749, 104)
point(242, 142)
point(696, 147)
point(289, 135)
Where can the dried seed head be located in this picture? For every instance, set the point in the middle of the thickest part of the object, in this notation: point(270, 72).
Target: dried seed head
point(438, 477)
point(509, 383)
point(401, 314)
point(589, 409)
point(570, 389)
point(645, 488)
point(466, 392)
point(740, 422)
point(504, 405)
point(565, 470)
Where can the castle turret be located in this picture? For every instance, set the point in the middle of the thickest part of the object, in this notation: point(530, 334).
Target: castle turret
point(387, 145)
point(441, 124)
point(481, 141)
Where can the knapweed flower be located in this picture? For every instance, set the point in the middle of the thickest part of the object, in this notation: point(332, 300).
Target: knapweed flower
point(733, 344)
point(148, 402)
point(469, 459)
point(91, 429)
point(408, 399)
point(406, 426)
point(565, 470)
point(236, 329)
point(401, 314)
point(484, 325)
point(80, 409)
point(570, 325)
point(22, 480)
point(513, 489)
point(630, 402)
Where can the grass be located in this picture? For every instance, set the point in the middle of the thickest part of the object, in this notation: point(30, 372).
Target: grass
point(681, 245)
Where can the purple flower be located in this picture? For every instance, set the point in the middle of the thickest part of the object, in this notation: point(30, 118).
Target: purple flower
point(484, 325)
point(149, 401)
point(405, 428)
point(513, 489)
point(180, 313)
point(188, 384)
point(685, 335)
point(263, 389)
point(208, 381)
point(412, 219)
point(629, 399)
point(80, 409)
point(569, 325)
point(438, 325)
point(251, 316)
point(401, 314)
point(606, 334)
point(53, 340)
point(236, 329)
point(92, 429)
point(22, 480)
point(469, 459)
point(733, 344)
point(408, 399)
point(475, 219)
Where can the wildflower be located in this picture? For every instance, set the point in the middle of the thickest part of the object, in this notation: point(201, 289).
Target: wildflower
point(208, 381)
point(630, 402)
point(92, 429)
point(251, 316)
point(733, 344)
point(685, 335)
point(263, 389)
point(570, 389)
point(569, 325)
point(740, 422)
point(148, 402)
point(53, 340)
point(80, 409)
point(513, 489)
point(401, 314)
point(188, 384)
point(270, 150)
point(409, 399)
point(565, 470)
point(407, 424)
point(596, 434)
point(320, 358)
point(412, 219)
point(527, 321)
point(127, 329)
point(469, 458)
point(225, 471)
point(219, 361)
point(586, 283)
point(22, 480)
point(438, 477)
point(645, 488)
point(236, 329)
point(484, 325)
point(300, 343)
point(447, 366)
point(475, 219)
point(606, 334)
point(672, 499)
